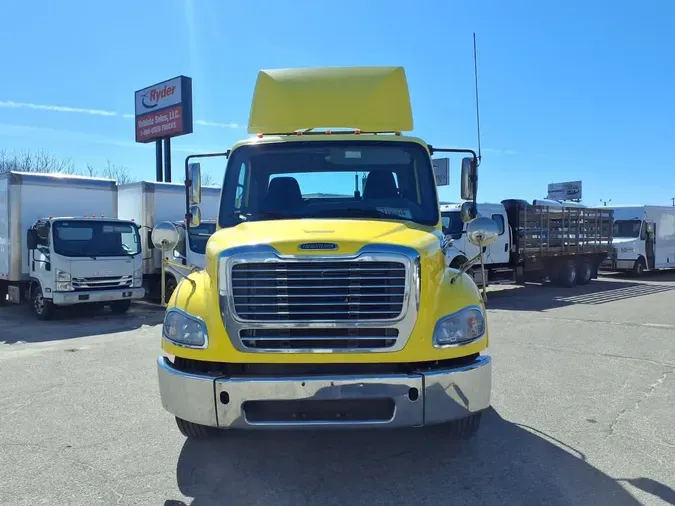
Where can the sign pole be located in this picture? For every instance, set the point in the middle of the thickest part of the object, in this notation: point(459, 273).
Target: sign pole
point(167, 159)
point(158, 159)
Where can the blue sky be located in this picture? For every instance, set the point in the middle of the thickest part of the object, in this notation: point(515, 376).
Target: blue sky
point(569, 90)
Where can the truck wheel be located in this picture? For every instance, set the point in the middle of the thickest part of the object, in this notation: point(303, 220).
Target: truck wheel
point(4, 289)
point(568, 274)
point(43, 308)
point(120, 306)
point(171, 285)
point(639, 267)
point(195, 430)
point(584, 272)
point(465, 428)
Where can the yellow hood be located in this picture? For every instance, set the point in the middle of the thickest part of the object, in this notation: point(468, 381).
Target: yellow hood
point(286, 236)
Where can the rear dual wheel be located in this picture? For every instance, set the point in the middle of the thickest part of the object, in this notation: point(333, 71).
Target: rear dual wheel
point(575, 273)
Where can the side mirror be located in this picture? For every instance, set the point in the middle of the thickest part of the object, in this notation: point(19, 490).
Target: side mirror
point(469, 179)
point(151, 245)
point(195, 188)
point(42, 232)
point(31, 239)
point(165, 236)
point(195, 216)
point(467, 212)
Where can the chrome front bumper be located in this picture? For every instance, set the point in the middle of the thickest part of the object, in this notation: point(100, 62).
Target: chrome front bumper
point(424, 398)
point(84, 297)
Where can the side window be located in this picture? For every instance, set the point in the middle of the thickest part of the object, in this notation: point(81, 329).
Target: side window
point(499, 220)
point(241, 184)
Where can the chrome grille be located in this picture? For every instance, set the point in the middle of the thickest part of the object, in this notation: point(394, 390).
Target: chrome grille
point(305, 291)
point(102, 283)
point(318, 338)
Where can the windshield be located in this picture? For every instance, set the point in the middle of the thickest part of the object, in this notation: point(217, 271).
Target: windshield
point(452, 224)
point(324, 179)
point(626, 228)
point(199, 236)
point(89, 238)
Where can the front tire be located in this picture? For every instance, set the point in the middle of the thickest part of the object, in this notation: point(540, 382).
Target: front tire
point(43, 308)
point(196, 431)
point(120, 306)
point(639, 268)
point(170, 287)
point(465, 428)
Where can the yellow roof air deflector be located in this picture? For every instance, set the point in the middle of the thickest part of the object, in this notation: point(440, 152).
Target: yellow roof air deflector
point(370, 99)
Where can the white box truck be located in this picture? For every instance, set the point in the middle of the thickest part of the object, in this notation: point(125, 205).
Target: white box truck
point(149, 203)
point(643, 239)
point(62, 244)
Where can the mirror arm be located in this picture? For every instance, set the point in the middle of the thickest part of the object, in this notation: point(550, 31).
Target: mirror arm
point(471, 152)
point(465, 267)
point(173, 266)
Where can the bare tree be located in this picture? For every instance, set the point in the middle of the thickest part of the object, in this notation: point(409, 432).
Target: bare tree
point(41, 162)
point(119, 173)
point(208, 180)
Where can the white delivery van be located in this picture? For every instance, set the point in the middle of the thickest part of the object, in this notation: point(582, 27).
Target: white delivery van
point(643, 239)
point(61, 243)
point(149, 203)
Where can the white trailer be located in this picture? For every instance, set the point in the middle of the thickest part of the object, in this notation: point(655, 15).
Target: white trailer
point(643, 239)
point(149, 203)
point(61, 243)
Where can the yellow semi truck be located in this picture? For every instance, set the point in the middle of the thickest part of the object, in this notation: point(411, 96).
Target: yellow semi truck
point(325, 300)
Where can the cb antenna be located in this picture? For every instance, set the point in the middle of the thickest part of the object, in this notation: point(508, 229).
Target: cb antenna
point(475, 77)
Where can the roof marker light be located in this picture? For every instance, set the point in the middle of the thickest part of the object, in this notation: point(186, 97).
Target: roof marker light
point(260, 136)
point(357, 132)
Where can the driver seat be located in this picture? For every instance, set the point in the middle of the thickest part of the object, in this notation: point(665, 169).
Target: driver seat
point(380, 185)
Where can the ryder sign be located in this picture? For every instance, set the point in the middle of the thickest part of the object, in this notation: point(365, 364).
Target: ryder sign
point(164, 110)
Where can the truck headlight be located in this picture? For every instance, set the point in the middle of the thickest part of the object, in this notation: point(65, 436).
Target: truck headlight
point(138, 278)
point(64, 286)
point(460, 328)
point(62, 275)
point(184, 330)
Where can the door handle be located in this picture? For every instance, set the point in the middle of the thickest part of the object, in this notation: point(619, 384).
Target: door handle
point(506, 247)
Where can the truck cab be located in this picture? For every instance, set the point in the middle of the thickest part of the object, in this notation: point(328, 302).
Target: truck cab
point(77, 260)
point(455, 230)
point(643, 239)
point(326, 300)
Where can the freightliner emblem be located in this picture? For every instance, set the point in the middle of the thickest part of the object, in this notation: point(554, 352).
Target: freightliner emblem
point(319, 246)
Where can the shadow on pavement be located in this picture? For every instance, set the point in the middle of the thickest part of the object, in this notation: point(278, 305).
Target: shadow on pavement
point(548, 296)
point(504, 464)
point(19, 325)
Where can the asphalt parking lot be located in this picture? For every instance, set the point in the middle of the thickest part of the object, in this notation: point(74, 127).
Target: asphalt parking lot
point(583, 413)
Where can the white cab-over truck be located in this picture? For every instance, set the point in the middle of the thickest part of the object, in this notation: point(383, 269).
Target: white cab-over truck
point(561, 243)
point(643, 239)
point(62, 244)
point(149, 203)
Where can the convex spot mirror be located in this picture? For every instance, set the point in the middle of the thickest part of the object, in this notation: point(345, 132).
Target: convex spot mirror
point(469, 179)
point(195, 188)
point(482, 231)
point(165, 236)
